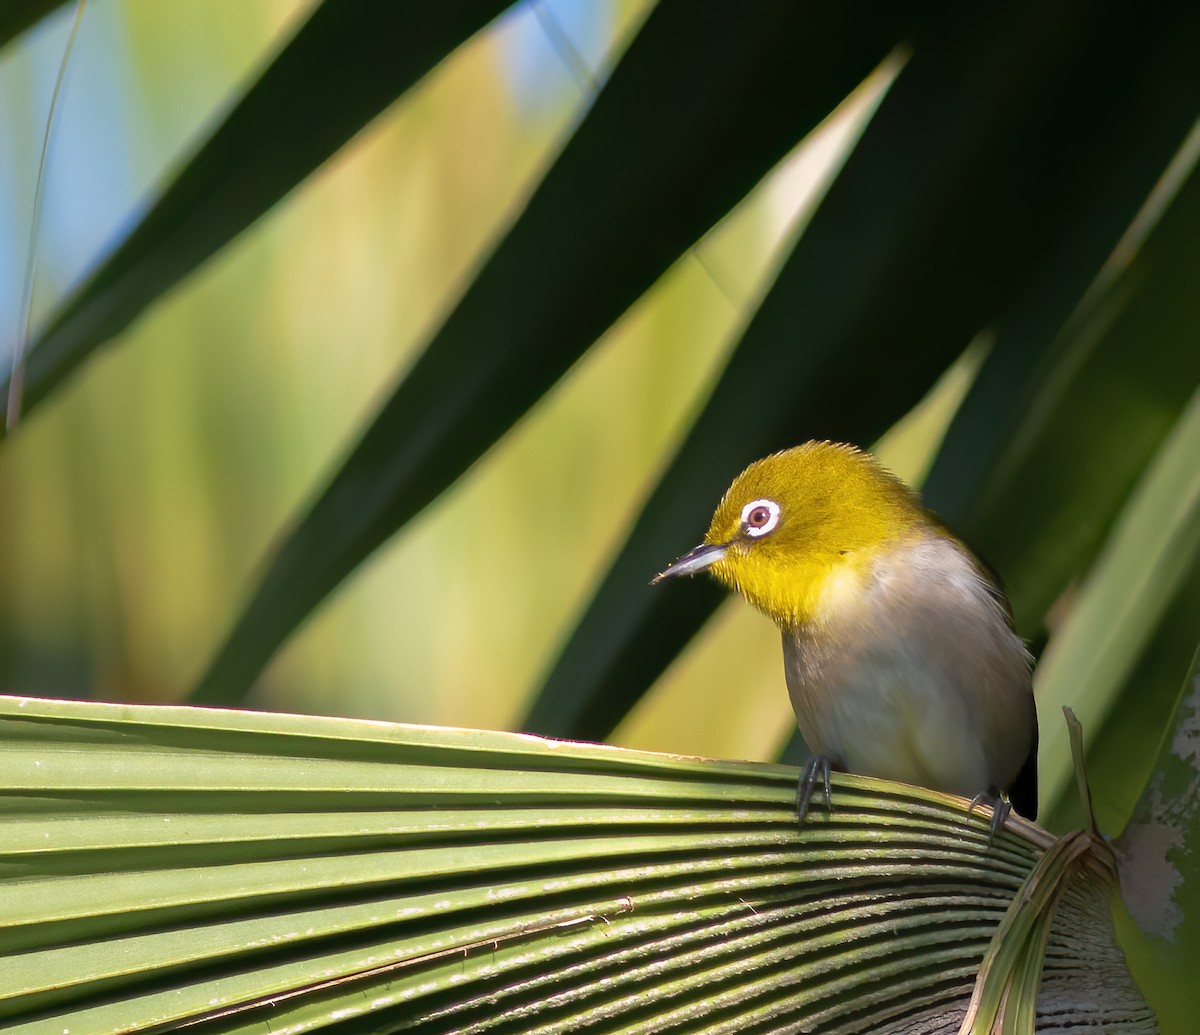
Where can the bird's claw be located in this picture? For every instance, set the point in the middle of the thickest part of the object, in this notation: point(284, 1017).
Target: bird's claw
point(808, 778)
point(1000, 811)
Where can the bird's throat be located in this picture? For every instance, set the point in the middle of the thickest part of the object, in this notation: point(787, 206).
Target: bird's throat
point(804, 592)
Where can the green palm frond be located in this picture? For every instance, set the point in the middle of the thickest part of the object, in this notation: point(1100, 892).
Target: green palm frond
point(170, 866)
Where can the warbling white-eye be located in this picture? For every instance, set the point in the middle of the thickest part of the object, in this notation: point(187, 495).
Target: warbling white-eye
point(898, 647)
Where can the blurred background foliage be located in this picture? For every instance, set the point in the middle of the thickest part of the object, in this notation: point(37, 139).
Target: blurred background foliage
point(138, 506)
point(980, 261)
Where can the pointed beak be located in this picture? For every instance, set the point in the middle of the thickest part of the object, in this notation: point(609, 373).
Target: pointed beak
point(703, 556)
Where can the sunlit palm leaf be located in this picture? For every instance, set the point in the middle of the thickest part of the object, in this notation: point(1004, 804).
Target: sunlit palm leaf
point(166, 865)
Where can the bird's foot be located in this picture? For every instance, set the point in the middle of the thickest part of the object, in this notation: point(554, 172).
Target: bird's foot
point(1000, 810)
point(818, 765)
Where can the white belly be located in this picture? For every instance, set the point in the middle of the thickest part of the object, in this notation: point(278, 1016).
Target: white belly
point(910, 672)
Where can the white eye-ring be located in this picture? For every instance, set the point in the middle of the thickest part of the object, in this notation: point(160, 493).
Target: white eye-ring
point(760, 517)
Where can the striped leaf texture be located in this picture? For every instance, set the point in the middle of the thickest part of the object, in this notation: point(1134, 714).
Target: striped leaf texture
point(169, 868)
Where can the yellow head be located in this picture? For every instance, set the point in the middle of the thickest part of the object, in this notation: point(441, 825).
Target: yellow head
point(793, 523)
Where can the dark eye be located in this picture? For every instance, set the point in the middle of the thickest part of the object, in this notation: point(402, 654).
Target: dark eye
point(760, 517)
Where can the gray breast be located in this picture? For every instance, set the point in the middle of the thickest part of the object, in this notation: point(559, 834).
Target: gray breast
point(913, 673)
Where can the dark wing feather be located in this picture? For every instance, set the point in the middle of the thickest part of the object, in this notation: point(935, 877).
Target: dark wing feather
point(1023, 794)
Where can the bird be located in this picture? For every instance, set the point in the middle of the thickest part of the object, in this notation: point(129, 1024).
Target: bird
point(899, 651)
